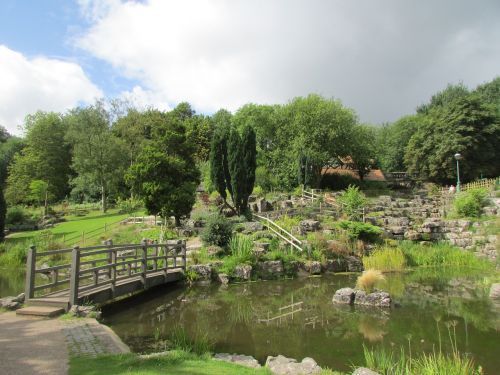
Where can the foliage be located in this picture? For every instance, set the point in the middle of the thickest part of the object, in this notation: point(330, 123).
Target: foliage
point(128, 206)
point(199, 344)
point(362, 231)
point(218, 231)
point(385, 259)
point(219, 169)
point(353, 201)
point(464, 125)
point(46, 157)
point(470, 203)
point(441, 254)
point(288, 222)
point(165, 176)
point(236, 170)
point(362, 150)
point(241, 246)
point(15, 215)
point(249, 160)
point(97, 152)
point(369, 279)
point(3, 211)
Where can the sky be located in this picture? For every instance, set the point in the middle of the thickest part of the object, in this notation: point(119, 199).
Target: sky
point(382, 58)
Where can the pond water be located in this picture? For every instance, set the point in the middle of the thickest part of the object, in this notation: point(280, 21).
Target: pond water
point(296, 318)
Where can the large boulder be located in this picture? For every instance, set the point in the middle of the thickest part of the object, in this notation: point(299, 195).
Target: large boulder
point(10, 303)
point(354, 264)
point(270, 269)
point(244, 360)
point(203, 271)
point(243, 272)
point(252, 226)
point(309, 226)
point(344, 296)
point(281, 365)
point(335, 265)
point(379, 299)
point(313, 267)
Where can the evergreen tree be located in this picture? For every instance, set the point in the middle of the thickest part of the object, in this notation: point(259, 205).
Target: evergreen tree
point(249, 150)
point(217, 155)
point(3, 211)
point(236, 170)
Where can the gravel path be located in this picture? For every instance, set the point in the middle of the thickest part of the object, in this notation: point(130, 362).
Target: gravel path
point(32, 346)
point(42, 346)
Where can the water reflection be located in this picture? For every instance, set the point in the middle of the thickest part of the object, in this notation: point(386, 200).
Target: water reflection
point(296, 318)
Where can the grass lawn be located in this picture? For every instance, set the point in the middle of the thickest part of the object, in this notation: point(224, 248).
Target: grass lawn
point(77, 224)
point(179, 363)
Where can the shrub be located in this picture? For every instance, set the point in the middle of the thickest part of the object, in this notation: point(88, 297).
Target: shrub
point(360, 231)
point(369, 279)
point(241, 246)
point(338, 181)
point(217, 232)
point(15, 216)
point(385, 259)
point(288, 222)
point(470, 203)
point(353, 201)
point(128, 206)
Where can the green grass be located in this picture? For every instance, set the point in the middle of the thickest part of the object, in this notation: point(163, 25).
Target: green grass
point(385, 259)
point(176, 362)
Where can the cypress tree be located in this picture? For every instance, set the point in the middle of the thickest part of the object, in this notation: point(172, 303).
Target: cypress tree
point(217, 157)
point(236, 169)
point(249, 150)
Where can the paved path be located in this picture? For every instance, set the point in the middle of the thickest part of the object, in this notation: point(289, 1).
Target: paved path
point(42, 346)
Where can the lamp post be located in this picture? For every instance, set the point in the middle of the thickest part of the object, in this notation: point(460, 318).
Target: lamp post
point(457, 158)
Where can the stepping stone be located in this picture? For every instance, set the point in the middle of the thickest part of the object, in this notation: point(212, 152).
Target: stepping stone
point(44, 311)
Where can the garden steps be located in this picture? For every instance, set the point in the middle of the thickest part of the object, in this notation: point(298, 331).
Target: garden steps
point(41, 311)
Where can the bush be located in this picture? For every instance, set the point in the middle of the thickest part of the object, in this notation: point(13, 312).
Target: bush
point(385, 259)
point(360, 231)
point(369, 279)
point(338, 181)
point(241, 246)
point(15, 216)
point(353, 201)
point(128, 206)
point(470, 203)
point(218, 231)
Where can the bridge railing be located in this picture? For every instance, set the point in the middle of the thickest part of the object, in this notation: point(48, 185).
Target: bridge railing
point(280, 232)
point(99, 266)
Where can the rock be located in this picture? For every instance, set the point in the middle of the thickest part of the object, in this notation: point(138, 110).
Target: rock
point(364, 371)
point(412, 235)
point(223, 278)
point(313, 267)
point(84, 312)
point(264, 246)
point(243, 272)
point(354, 264)
point(345, 296)
point(203, 271)
point(286, 204)
point(214, 250)
point(10, 303)
point(270, 269)
point(252, 226)
point(195, 223)
point(379, 299)
point(244, 360)
point(262, 205)
point(309, 226)
point(335, 265)
point(495, 291)
point(281, 365)
point(21, 298)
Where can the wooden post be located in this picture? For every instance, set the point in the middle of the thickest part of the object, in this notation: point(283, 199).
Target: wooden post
point(75, 276)
point(30, 273)
point(183, 255)
point(144, 262)
point(113, 271)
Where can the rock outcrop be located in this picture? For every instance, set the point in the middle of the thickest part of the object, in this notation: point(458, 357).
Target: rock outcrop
point(281, 365)
point(240, 359)
point(351, 296)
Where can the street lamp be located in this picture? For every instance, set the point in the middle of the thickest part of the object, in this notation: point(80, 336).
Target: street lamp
point(458, 157)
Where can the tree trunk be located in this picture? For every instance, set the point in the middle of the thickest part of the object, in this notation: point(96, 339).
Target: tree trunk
point(103, 199)
point(177, 221)
point(46, 206)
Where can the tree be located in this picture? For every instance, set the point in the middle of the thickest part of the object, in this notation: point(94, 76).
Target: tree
point(443, 98)
point(39, 192)
point(466, 126)
point(164, 175)
point(3, 212)
point(219, 164)
point(249, 160)
point(97, 153)
point(45, 157)
point(236, 170)
point(363, 150)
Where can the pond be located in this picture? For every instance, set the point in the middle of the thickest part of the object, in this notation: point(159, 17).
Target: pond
point(296, 318)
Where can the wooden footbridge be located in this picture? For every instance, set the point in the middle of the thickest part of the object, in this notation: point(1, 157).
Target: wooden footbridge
point(101, 273)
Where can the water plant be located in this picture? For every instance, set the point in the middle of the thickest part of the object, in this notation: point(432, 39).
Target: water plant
point(199, 344)
point(369, 279)
point(385, 259)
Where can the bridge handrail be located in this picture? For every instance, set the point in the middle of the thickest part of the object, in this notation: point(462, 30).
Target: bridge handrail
point(79, 270)
point(281, 232)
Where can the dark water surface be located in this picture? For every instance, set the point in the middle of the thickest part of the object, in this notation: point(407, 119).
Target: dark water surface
point(257, 319)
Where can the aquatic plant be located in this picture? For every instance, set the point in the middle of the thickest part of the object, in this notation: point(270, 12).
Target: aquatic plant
point(199, 344)
point(241, 246)
point(369, 279)
point(385, 259)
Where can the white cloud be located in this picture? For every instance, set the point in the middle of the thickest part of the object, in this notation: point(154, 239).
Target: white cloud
point(28, 85)
point(382, 58)
point(144, 99)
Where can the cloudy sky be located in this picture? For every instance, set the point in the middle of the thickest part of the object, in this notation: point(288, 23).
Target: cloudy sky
point(382, 58)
